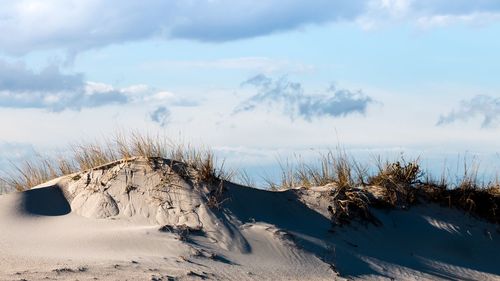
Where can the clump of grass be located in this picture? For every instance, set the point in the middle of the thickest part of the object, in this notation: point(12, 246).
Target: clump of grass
point(199, 164)
point(467, 193)
point(483, 202)
point(32, 173)
point(349, 203)
point(88, 156)
point(335, 168)
point(398, 184)
point(397, 179)
point(342, 173)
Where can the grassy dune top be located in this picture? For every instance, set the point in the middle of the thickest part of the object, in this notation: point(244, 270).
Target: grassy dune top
point(353, 188)
point(89, 155)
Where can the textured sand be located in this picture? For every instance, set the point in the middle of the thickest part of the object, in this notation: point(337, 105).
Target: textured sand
point(104, 225)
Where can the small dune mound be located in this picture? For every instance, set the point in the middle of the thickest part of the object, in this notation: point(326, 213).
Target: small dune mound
point(150, 188)
point(158, 191)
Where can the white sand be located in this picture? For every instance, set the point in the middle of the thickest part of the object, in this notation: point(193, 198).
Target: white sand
point(104, 225)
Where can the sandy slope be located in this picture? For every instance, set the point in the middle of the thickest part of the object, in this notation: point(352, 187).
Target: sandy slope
point(104, 225)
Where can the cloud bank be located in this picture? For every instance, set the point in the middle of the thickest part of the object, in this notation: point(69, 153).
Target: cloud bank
point(72, 25)
point(291, 99)
point(79, 25)
point(483, 106)
point(50, 89)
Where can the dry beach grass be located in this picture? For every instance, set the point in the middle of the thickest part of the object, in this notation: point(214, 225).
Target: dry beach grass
point(122, 147)
point(399, 184)
point(354, 189)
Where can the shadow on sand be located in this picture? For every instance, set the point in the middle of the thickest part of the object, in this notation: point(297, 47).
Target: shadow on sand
point(46, 201)
point(405, 239)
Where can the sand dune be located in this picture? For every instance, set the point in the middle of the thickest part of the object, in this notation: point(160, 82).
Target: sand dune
point(143, 220)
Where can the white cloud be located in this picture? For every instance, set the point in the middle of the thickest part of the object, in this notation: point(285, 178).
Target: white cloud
point(98, 87)
point(28, 25)
point(473, 19)
point(429, 13)
point(396, 8)
point(51, 89)
point(290, 98)
point(483, 106)
point(15, 76)
point(161, 96)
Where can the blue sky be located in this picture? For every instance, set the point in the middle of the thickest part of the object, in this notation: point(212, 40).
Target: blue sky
point(255, 80)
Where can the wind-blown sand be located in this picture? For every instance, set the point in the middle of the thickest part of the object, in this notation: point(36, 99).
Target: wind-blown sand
point(105, 225)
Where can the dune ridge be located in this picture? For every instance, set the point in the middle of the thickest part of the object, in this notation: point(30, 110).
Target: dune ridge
point(154, 219)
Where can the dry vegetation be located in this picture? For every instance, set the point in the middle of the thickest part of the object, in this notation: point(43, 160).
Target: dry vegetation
point(354, 189)
point(200, 164)
point(399, 184)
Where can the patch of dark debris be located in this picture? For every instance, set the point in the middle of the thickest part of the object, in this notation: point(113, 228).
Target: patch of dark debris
point(63, 270)
point(183, 232)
